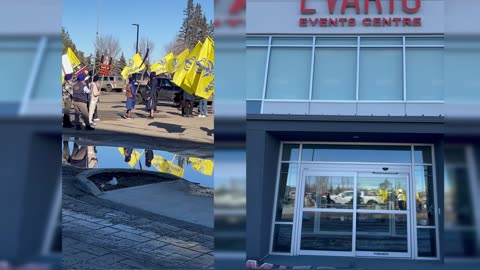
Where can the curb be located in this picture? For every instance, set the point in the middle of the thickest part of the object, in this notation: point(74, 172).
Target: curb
point(84, 184)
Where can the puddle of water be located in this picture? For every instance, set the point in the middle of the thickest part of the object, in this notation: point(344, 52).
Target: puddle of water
point(107, 157)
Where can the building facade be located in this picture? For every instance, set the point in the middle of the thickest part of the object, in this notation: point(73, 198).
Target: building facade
point(30, 110)
point(348, 147)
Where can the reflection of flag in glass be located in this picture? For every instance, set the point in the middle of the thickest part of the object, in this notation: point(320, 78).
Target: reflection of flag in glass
point(135, 65)
point(162, 66)
point(166, 166)
point(204, 166)
point(134, 158)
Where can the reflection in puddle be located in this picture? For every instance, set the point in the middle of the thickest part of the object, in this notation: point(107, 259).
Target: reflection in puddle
point(193, 169)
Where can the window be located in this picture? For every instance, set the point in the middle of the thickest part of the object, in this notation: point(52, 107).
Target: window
point(424, 73)
point(17, 56)
point(51, 63)
point(400, 69)
point(289, 73)
point(256, 60)
point(334, 76)
point(381, 74)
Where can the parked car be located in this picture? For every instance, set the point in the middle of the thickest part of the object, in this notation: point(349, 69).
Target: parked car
point(110, 83)
point(166, 90)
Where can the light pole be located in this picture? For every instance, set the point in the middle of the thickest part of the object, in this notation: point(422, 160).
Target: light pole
point(138, 28)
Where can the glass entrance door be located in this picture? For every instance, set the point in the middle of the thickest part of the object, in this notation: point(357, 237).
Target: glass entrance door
point(353, 214)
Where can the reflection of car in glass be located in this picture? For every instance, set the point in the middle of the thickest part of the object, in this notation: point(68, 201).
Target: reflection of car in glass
point(347, 197)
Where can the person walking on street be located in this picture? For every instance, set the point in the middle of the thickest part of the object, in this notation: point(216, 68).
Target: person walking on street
point(188, 107)
point(152, 95)
point(80, 100)
point(202, 108)
point(67, 100)
point(94, 94)
point(130, 93)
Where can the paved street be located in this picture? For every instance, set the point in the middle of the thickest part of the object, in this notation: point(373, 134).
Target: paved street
point(99, 237)
point(168, 123)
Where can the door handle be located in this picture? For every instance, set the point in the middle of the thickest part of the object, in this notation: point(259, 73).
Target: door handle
point(385, 172)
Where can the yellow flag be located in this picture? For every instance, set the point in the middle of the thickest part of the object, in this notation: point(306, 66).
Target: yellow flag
point(125, 73)
point(186, 66)
point(166, 166)
point(162, 65)
point(134, 158)
point(73, 58)
point(193, 74)
point(178, 60)
point(133, 66)
point(204, 86)
point(204, 166)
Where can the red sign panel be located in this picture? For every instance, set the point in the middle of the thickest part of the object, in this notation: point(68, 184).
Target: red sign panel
point(104, 69)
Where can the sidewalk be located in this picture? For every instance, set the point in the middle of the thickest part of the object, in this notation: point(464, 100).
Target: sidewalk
point(100, 237)
point(98, 234)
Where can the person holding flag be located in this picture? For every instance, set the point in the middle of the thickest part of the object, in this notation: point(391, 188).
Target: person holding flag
point(131, 91)
point(152, 95)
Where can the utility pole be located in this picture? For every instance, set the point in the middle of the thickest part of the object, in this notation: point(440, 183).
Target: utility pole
point(138, 29)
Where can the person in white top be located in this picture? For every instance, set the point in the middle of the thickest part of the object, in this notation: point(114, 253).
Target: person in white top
point(95, 93)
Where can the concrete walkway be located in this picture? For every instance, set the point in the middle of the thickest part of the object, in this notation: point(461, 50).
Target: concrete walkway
point(100, 234)
point(170, 199)
point(99, 237)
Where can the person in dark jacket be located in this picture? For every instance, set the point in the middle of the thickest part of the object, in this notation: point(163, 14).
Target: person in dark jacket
point(80, 100)
point(188, 107)
point(152, 95)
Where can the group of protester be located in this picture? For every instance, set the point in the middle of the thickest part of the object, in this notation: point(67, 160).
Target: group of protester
point(186, 99)
point(83, 93)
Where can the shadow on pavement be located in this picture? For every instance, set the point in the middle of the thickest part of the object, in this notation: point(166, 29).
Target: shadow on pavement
point(209, 131)
point(174, 113)
point(170, 128)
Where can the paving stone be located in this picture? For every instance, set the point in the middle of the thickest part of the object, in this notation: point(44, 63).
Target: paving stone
point(99, 251)
point(103, 238)
point(80, 257)
point(87, 224)
point(151, 235)
point(133, 264)
point(171, 249)
point(149, 246)
point(131, 236)
point(107, 260)
point(129, 229)
point(204, 260)
point(181, 243)
point(201, 248)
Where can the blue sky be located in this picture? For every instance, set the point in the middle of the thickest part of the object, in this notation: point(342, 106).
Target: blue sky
point(159, 20)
